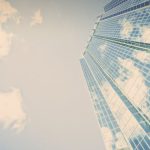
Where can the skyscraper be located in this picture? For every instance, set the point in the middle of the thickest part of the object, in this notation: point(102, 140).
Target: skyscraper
point(116, 66)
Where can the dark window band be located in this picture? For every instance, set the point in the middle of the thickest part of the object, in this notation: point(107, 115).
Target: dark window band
point(113, 4)
point(128, 10)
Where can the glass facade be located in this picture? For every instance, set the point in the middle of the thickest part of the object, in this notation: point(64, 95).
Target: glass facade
point(116, 66)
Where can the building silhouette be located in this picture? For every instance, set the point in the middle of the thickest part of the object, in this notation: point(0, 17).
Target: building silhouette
point(116, 66)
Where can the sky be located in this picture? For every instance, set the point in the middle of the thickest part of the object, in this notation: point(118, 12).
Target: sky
point(44, 99)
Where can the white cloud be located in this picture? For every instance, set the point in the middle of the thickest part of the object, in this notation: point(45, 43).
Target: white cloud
point(5, 42)
point(127, 28)
point(12, 114)
point(145, 34)
point(7, 11)
point(37, 18)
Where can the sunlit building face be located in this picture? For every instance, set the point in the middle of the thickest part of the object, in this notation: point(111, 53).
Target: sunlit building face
point(116, 66)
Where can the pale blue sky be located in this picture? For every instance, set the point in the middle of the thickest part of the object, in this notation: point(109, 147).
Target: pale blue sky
point(44, 64)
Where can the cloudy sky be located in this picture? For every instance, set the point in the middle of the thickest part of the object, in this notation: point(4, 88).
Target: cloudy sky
point(44, 100)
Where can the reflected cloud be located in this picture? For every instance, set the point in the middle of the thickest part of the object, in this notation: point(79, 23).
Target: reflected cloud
point(108, 137)
point(134, 82)
point(127, 28)
point(103, 48)
point(146, 34)
point(142, 56)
